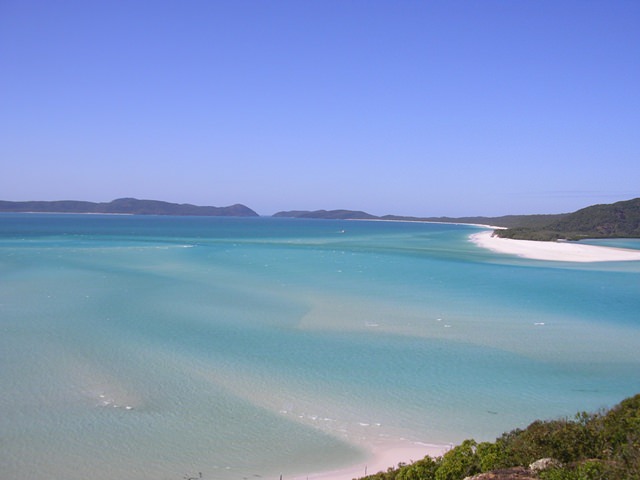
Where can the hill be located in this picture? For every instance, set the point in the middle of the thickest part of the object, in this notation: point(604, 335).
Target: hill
point(130, 206)
point(327, 214)
point(616, 220)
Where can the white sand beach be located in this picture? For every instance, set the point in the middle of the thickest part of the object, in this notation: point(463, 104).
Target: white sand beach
point(380, 460)
point(554, 251)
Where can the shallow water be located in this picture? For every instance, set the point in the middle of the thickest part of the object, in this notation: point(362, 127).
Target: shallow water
point(160, 347)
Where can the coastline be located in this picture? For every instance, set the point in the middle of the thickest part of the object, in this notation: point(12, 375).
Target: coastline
point(553, 251)
point(381, 458)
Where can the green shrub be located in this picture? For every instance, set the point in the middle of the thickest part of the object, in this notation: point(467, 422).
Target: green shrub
point(424, 469)
point(459, 462)
point(488, 456)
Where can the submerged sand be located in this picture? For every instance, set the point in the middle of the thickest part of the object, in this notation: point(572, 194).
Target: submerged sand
point(554, 251)
point(390, 456)
point(383, 457)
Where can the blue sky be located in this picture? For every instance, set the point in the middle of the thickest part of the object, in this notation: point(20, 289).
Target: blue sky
point(407, 107)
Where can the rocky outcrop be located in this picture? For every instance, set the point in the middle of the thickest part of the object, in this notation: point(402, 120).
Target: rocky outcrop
point(544, 464)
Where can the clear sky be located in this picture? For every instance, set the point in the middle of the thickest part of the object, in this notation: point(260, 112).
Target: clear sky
point(406, 107)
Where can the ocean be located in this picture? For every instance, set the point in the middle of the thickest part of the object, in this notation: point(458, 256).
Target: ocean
point(142, 347)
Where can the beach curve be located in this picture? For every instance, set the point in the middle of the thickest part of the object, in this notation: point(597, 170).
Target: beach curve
point(553, 251)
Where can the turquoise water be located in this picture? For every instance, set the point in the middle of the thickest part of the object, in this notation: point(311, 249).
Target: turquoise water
point(632, 243)
point(159, 347)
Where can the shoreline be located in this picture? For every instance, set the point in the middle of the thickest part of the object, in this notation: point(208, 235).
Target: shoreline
point(482, 225)
point(380, 459)
point(553, 251)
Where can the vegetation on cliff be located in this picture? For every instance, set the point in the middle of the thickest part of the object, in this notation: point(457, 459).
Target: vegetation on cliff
point(616, 220)
point(590, 446)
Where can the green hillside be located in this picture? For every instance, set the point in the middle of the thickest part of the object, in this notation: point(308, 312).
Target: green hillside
point(616, 220)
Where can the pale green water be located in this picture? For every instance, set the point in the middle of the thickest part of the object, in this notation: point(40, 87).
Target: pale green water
point(248, 347)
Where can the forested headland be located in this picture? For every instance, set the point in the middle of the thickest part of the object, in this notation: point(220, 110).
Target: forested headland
point(616, 220)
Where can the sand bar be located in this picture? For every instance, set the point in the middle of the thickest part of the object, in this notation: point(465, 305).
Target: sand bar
point(554, 251)
point(382, 457)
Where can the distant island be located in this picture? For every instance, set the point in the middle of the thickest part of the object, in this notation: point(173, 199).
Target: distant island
point(327, 214)
point(130, 206)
